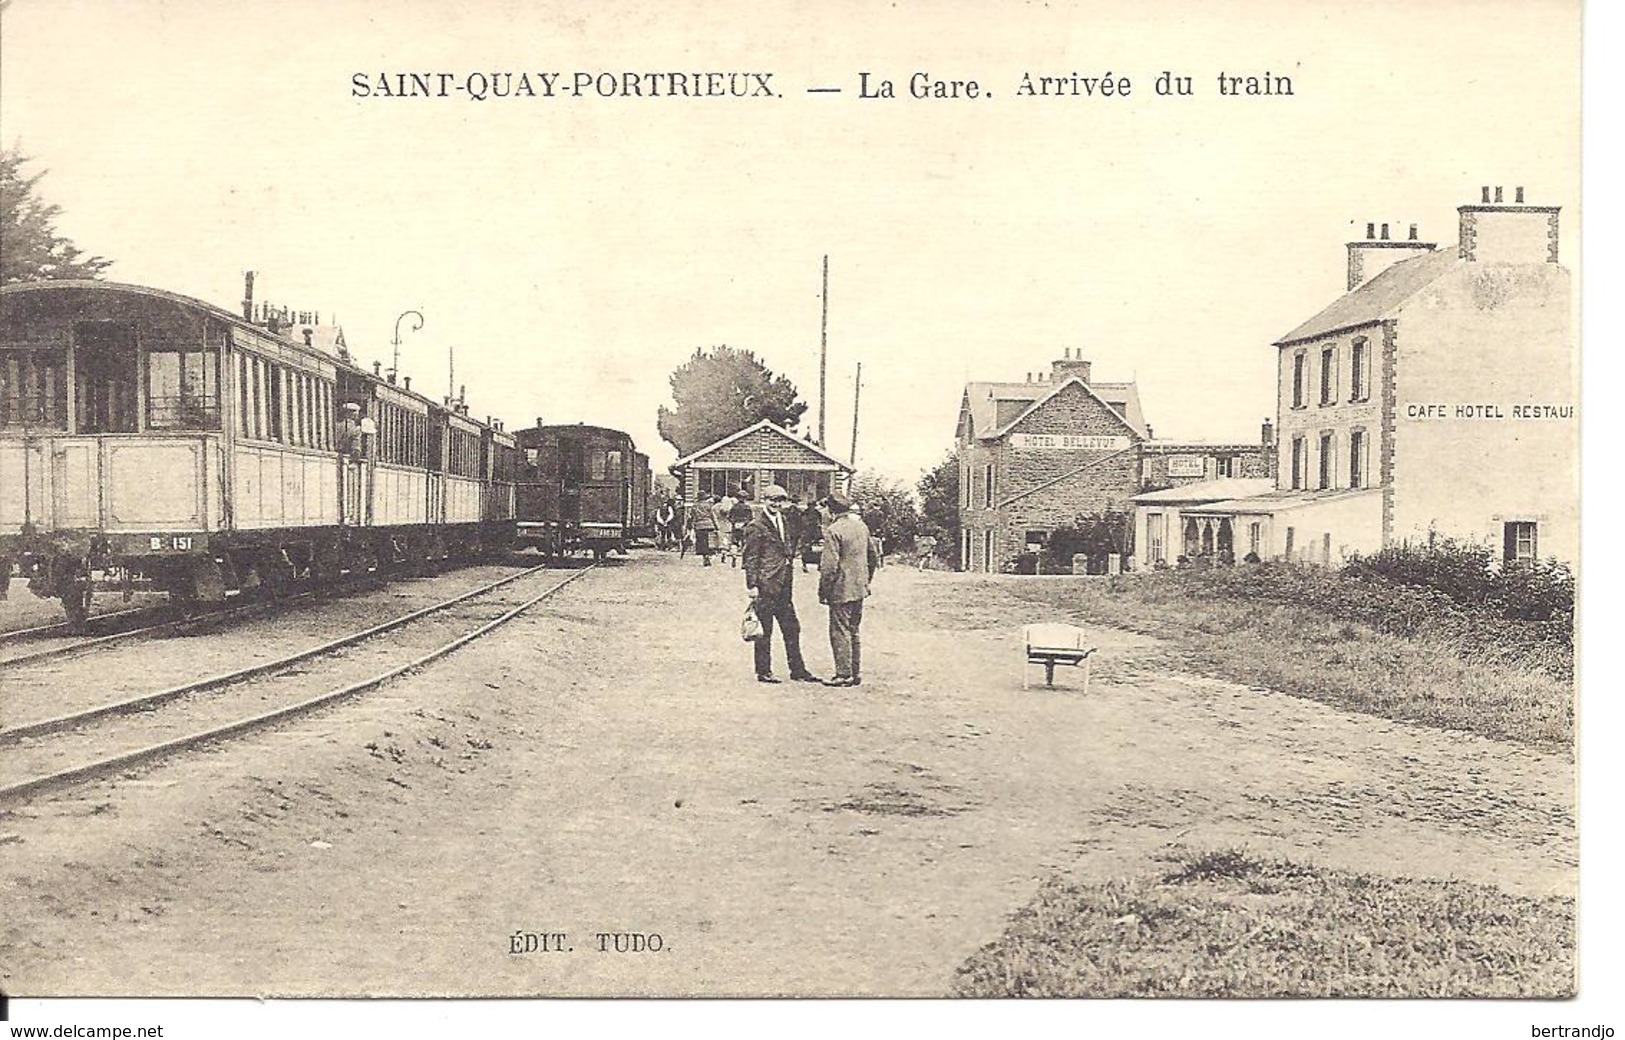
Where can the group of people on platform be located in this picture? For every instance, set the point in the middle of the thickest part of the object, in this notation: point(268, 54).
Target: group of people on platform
point(768, 544)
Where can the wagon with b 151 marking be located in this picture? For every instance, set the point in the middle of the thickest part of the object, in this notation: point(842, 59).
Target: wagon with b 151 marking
point(152, 440)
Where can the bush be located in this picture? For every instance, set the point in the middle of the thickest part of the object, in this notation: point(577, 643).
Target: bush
point(1472, 575)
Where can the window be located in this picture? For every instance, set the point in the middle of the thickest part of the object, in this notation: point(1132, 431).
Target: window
point(1357, 475)
point(1035, 539)
point(987, 488)
point(987, 548)
point(183, 389)
point(1328, 460)
point(1224, 466)
point(1358, 374)
point(612, 466)
point(964, 550)
point(273, 402)
point(1518, 541)
point(1156, 537)
point(1328, 375)
point(33, 387)
point(965, 492)
point(1255, 537)
point(1300, 376)
point(1297, 463)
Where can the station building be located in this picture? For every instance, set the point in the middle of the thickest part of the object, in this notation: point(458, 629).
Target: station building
point(755, 457)
point(1436, 397)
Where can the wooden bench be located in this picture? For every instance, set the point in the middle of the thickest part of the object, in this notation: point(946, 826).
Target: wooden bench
point(1053, 644)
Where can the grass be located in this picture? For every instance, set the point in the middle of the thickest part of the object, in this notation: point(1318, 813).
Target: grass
point(1429, 676)
point(1226, 923)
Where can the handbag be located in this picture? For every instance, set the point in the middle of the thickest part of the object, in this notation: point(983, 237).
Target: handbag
point(750, 629)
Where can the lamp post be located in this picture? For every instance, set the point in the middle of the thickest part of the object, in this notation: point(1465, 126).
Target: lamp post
point(395, 365)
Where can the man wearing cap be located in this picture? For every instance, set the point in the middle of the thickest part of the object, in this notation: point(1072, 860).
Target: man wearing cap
point(770, 580)
point(844, 571)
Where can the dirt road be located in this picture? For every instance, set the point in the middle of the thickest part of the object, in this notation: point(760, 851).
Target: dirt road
point(607, 764)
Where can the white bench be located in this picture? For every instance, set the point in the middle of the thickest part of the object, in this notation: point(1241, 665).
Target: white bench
point(1052, 644)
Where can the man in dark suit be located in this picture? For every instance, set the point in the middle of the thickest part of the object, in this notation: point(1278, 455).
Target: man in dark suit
point(770, 580)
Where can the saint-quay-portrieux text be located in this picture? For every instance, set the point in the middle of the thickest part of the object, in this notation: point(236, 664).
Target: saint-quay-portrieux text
point(489, 85)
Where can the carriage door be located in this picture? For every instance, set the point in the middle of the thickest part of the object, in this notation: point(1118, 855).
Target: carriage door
point(573, 470)
point(104, 401)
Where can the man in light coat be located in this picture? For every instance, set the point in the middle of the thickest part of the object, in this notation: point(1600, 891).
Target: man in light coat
point(844, 571)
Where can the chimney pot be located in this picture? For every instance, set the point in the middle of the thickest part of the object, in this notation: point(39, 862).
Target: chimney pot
point(1486, 195)
point(1497, 193)
point(538, 422)
point(308, 333)
point(1413, 233)
point(1385, 232)
point(376, 366)
point(1518, 198)
point(1370, 231)
point(409, 382)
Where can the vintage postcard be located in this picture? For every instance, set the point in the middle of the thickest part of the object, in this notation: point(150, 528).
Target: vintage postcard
point(759, 500)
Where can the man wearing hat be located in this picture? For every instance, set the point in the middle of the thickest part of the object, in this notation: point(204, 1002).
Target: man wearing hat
point(844, 571)
point(770, 580)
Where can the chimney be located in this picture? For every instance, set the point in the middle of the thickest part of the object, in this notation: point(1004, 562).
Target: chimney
point(1508, 234)
point(408, 382)
point(377, 366)
point(1068, 366)
point(248, 294)
point(1267, 434)
point(538, 422)
point(1377, 252)
point(308, 333)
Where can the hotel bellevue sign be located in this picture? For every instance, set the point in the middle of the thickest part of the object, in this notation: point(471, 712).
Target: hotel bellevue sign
point(1067, 442)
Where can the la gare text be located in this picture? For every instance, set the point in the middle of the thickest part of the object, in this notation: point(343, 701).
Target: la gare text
point(870, 86)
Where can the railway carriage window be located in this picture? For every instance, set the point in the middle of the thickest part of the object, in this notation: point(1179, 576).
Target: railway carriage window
point(183, 389)
point(273, 402)
point(105, 374)
point(33, 388)
point(257, 378)
point(245, 416)
point(613, 465)
point(324, 413)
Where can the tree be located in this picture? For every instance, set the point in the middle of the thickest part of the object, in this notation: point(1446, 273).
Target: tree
point(30, 248)
point(887, 506)
point(723, 392)
point(939, 507)
point(1094, 535)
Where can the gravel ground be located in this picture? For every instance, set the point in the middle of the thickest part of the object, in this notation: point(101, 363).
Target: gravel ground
point(607, 764)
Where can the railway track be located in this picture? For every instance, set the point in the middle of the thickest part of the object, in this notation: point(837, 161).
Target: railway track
point(76, 644)
point(60, 628)
point(87, 744)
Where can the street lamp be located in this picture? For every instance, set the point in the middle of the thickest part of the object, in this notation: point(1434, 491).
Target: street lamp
point(395, 365)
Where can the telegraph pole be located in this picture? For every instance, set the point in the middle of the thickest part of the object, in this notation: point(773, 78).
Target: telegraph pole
point(823, 350)
point(857, 390)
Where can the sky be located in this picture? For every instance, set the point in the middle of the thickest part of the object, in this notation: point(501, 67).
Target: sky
point(573, 251)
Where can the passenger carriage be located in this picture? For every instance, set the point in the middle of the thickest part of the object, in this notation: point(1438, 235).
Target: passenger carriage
point(150, 439)
point(579, 489)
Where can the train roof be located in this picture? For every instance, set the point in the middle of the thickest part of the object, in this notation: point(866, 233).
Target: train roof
point(553, 429)
point(236, 321)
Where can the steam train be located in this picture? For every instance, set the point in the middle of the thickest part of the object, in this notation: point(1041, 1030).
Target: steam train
point(582, 489)
point(152, 440)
